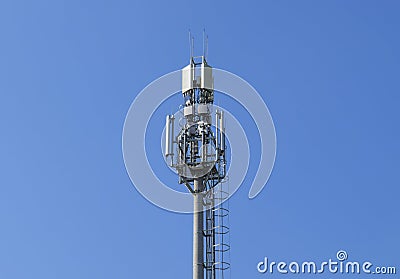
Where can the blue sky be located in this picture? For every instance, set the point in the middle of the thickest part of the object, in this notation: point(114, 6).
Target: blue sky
point(69, 70)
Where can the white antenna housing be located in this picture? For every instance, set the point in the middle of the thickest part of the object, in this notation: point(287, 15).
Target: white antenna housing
point(169, 135)
point(187, 77)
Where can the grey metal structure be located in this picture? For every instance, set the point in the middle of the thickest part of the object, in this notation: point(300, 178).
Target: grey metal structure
point(198, 153)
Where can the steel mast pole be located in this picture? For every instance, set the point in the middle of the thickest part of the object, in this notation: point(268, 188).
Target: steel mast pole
point(198, 236)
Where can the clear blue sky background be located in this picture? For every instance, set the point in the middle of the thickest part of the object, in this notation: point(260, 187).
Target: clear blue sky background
point(69, 70)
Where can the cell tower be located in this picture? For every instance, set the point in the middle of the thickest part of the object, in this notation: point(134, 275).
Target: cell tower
point(198, 153)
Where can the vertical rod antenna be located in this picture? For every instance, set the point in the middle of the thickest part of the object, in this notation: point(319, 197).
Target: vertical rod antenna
point(191, 58)
point(190, 46)
point(206, 52)
point(204, 47)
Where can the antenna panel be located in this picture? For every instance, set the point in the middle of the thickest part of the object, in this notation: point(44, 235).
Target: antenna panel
point(187, 78)
point(207, 80)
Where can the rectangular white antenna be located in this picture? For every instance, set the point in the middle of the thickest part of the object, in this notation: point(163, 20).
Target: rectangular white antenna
point(169, 135)
point(222, 130)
